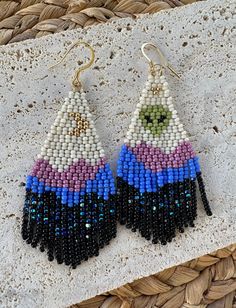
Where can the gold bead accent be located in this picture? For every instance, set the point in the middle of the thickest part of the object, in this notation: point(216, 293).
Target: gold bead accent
point(156, 90)
point(82, 124)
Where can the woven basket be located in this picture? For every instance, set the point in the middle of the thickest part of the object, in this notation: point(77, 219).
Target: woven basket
point(208, 281)
point(27, 19)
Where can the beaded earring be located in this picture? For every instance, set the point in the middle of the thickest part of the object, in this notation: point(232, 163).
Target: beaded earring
point(157, 167)
point(69, 207)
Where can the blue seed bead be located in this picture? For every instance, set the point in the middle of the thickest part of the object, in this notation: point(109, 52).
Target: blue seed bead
point(196, 164)
point(165, 179)
point(107, 167)
point(35, 180)
point(94, 183)
point(100, 192)
point(160, 180)
point(98, 176)
point(58, 193)
point(176, 176)
point(29, 178)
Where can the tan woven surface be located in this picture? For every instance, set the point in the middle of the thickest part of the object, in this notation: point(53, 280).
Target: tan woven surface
point(208, 281)
point(24, 19)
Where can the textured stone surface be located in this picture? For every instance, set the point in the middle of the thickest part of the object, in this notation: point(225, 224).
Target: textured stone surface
point(198, 40)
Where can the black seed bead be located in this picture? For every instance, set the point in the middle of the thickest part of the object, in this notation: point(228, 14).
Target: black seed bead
point(25, 218)
point(32, 217)
point(177, 220)
point(188, 202)
point(39, 227)
point(148, 217)
point(136, 218)
point(88, 228)
point(58, 232)
point(45, 225)
point(77, 252)
point(64, 231)
point(51, 231)
point(203, 194)
point(154, 215)
point(194, 198)
point(101, 225)
point(119, 184)
point(166, 213)
point(182, 208)
point(161, 217)
point(142, 215)
point(70, 233)
point(130, 208)
point(123, 194)
point(112, 225)
point(171, 207)
point(106, 222)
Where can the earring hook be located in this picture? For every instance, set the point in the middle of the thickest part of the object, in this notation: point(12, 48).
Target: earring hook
point(163, 60)
point(76, 82)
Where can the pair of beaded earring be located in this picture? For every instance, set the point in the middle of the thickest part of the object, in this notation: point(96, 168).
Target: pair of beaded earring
point(69, 207)
point(157, 167)
point(71, 204)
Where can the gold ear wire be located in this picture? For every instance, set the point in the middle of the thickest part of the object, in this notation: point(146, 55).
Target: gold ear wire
point(76, 82)
point(163, 62)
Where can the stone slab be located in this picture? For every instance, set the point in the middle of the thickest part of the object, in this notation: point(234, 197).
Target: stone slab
point(199, 42)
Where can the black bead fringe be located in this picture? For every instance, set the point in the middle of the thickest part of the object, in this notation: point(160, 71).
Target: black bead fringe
point(158, 215)
point(68, 234)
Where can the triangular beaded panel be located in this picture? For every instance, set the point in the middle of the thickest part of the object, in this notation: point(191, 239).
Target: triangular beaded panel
point(157, 167)
point(69, 207)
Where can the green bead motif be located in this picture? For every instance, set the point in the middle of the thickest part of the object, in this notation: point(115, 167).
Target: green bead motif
point(155, 118)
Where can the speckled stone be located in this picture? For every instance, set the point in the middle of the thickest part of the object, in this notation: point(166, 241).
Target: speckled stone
point(198, 41)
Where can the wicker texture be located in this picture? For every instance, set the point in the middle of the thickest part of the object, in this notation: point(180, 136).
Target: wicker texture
point(27, 19)
point(208, 281)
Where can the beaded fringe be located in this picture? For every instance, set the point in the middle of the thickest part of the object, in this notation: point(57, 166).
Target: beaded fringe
point(69, 208)
point(157, 215)
point(68, 234)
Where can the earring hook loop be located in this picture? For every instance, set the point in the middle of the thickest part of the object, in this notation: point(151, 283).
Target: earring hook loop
point(163, 61)
point(76, 80)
